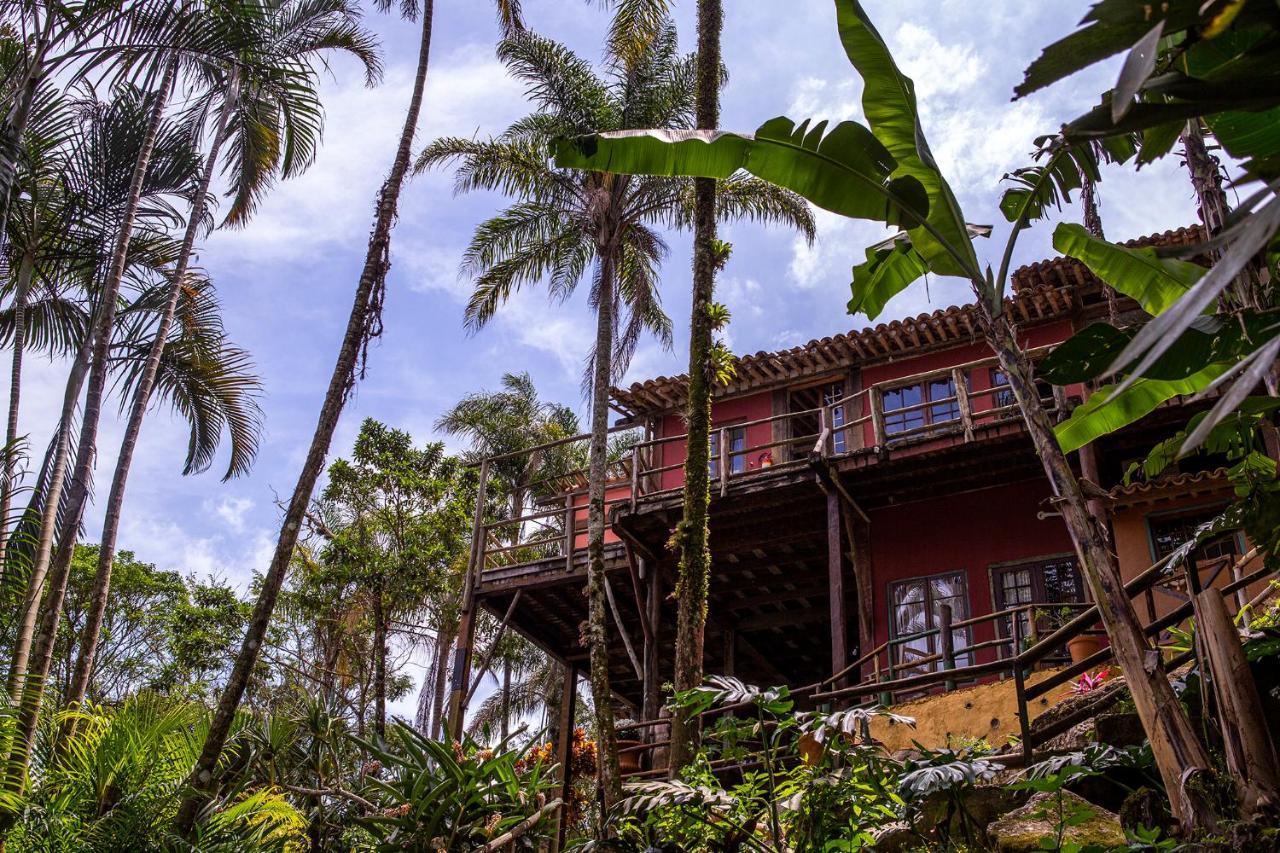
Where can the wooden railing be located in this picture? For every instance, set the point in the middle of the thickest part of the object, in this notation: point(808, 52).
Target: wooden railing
point(881, 685)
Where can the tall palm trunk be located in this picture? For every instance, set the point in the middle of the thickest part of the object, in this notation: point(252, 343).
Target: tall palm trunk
point(7, 476)
point(43, 552)
point(695, 556)
point(14, 125)
point(379, 662)
point(445, 638)
point(1173, 741)
point(33, 678)
point(363, 324)
point(1092, 222)
point(141, 400)
point(597, 613)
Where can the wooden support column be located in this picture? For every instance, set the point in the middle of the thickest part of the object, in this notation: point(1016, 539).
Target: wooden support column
point(652, 647)
point(835, 584)
point(564, 750)
point(1250, 753)
point(730, 653)
point(857, 530)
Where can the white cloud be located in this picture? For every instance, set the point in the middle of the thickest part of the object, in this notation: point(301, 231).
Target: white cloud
point(232, 511)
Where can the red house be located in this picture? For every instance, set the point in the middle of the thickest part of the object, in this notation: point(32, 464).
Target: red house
point(876, 503)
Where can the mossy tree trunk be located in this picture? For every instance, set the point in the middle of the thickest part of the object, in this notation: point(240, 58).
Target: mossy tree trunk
point(692, 532)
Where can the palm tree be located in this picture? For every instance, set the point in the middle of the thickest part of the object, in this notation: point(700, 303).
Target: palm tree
point(127, 135)
point(567, 225)
point(363, 325)
point(693, 532)
point(262, 102)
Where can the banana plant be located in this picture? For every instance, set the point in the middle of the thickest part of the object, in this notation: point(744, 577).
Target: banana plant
point(885, 172)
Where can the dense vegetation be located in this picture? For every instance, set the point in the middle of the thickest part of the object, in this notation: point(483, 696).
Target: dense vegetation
point(147, 710)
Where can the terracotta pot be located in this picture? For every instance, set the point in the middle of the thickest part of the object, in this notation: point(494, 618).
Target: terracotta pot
point(1083, 646)
point(629, 762)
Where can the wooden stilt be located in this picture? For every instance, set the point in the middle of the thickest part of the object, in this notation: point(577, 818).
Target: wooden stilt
point(730, 652)
point(835, 582)
point(857, 533)
point(652, 676)
point(1251, 755)
point(564, 751)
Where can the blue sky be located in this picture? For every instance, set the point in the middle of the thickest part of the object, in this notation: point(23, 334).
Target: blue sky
point(286, 280)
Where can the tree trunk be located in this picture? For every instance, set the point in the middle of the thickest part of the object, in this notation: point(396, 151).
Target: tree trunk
point(504, 727)
point(692, 532)
point(15, 125)
point(20, 295)
point(77, 496)
point(597, 612)
point(1178, 755)
point(363, 324)
point(57, 468)
point(379, 662)
point(1214, 209)
point(440, 687)
point(138, 410)
point(1092, 222)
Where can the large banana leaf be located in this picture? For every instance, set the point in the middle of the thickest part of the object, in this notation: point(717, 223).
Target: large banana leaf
point(1155, 282)
point(1106, 411)
point(846, 171)
point(889, 102)
point(888, 271)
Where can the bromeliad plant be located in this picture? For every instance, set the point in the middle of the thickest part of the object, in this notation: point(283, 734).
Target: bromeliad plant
point(437, 795)
point(884, 171)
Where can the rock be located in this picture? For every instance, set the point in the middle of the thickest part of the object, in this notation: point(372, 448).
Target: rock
point(1147, 809)
point(1120, 729)
point(982, 804)
point(1026, 828)
point(895, 838)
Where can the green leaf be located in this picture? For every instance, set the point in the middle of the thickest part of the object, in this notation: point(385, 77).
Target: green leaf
point(1105, 412)
point(1085, 355)
point(1137, 67)
point(889, 102)
point(1110, 27)
point(887, 272)
point(1155, 282)
point(846, 171)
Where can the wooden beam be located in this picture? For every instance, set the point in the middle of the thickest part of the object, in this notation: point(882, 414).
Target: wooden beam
point(859, 536)
point(622, 628)
point(652, 687)
point(564, 749)
point(835, 581)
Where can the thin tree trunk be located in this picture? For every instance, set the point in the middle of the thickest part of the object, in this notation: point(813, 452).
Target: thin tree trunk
point(1214, 209)
point(363, 324)
point(692, 533)
point(440, 687)
point(1178, 754)
point(48, 524)
point(15, 125)
point(1092, 222)
point(42, 651)
point(379, 662)
point(25, 272)
point(505, 724)
point(598, 468)
point(141, 400)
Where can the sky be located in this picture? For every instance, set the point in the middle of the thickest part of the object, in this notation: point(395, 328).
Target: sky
point(285, 281)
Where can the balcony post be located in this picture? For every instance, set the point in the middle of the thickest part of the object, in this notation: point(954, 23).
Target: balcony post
point(724, 461)
point(564, 751)
point(570, 523)
point(962, 400)
point(948, 643)
point(877, 414)
point(635, 477)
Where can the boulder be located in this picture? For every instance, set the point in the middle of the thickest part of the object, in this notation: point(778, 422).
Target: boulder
point(1029, 827)
point(938, 820)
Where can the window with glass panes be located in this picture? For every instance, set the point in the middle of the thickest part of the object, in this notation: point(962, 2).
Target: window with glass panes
point(1168, 532)
point(737, 443)
point(1043, 582)
point(916, 606)
point(897, 403)
point(832, 395)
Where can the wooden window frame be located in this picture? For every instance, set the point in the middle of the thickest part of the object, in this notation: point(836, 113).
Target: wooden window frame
point(996, 569)
point(895, 650)
point(924, 408)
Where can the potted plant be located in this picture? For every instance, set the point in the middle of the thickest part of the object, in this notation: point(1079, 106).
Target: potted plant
point(628, 738)
point(1081, 646)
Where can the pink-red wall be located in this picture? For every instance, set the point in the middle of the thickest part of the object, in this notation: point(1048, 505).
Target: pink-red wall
point(969, 532)
point(615, 492)
point(724, 413)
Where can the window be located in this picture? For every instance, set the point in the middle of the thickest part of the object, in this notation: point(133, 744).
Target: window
point(737, 443)
point(916, 607)
point(1002, 394)
point(1170, 531)
point(1044, 582)
point(904, 409)
point(832, 394)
